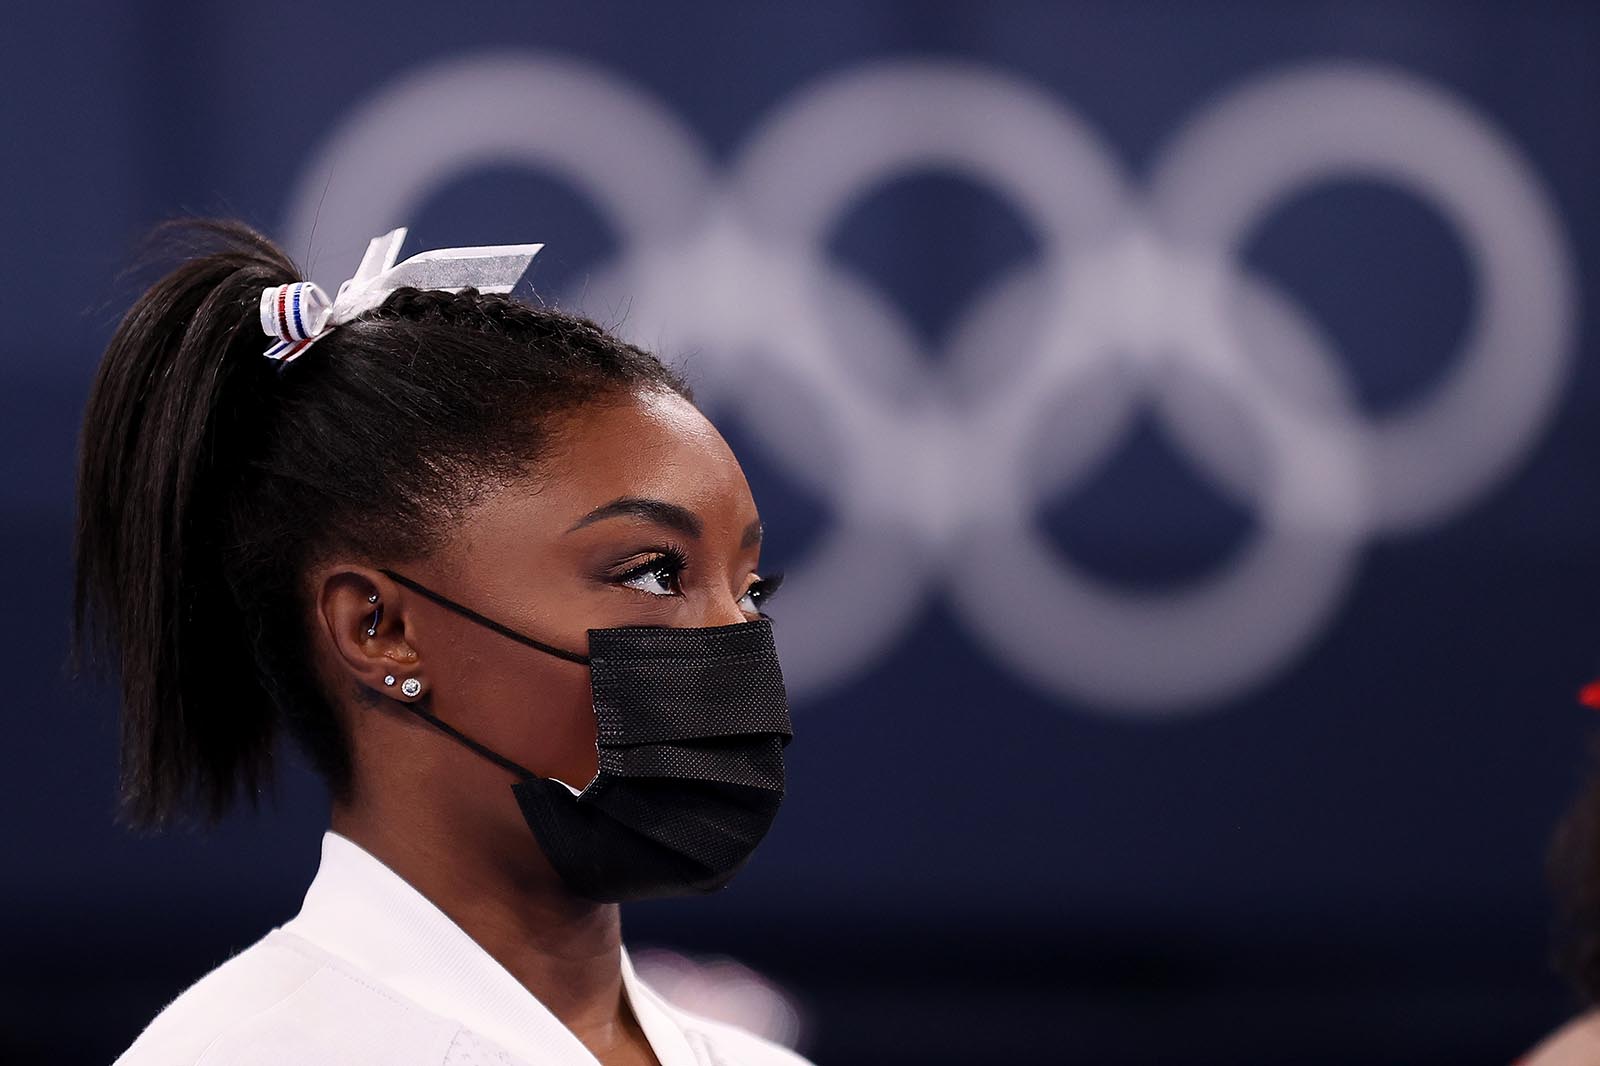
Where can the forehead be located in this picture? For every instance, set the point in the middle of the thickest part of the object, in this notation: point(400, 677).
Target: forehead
point(654, 444)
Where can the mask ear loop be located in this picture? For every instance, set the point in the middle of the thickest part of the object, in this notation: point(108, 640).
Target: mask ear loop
point(451, 731)
point(445, 727)
point(490, 623)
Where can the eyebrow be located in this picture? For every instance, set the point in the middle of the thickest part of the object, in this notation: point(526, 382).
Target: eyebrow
point(662, 513)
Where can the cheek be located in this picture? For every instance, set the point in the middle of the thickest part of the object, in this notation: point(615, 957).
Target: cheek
point(539, 716)
point(563, 743)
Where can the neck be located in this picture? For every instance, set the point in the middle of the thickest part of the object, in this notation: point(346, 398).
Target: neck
point(565, 950)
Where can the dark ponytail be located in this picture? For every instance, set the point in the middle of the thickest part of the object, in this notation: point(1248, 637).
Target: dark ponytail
point(166, 432)
point(208, 484)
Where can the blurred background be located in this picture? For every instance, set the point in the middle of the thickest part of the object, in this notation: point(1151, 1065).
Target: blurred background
point(1176, 422)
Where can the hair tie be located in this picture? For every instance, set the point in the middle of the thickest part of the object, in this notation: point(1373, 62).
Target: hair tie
point(299, 314)
point(296, 314)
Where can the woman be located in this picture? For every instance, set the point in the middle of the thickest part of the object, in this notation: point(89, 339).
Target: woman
point(1575, 870)
point(498, 576)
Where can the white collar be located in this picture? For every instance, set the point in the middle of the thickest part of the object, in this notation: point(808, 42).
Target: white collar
point(360, 911)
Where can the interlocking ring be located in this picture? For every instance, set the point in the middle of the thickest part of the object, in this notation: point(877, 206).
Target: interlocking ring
point(1138, 300)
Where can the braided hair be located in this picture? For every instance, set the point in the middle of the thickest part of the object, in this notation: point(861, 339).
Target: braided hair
point(209, 484)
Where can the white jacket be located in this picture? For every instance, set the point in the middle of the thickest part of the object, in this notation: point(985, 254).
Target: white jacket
point(370, 972)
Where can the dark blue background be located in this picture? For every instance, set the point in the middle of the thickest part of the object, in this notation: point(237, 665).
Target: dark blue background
point(1343, 866)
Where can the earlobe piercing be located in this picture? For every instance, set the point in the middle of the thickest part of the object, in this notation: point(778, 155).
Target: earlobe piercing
point(411, 686)
point(388, 679)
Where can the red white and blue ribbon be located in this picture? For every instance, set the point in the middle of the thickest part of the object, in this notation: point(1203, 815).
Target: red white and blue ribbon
point(297, 315)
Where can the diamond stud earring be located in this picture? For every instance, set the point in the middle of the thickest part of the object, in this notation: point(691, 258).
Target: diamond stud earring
point(411, 686)
point(388, 679)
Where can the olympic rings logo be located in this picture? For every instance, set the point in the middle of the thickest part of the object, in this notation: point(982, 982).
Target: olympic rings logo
point(1137, 301)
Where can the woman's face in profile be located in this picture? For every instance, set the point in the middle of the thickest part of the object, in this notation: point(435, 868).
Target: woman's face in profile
point(639, 515)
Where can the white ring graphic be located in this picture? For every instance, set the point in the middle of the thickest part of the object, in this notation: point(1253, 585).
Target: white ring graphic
point(1136, 302)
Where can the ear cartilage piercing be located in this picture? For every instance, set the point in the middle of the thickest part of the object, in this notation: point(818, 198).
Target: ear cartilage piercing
point(411, 686)
point(377, 613)
point(372, 597)
point(388, 679)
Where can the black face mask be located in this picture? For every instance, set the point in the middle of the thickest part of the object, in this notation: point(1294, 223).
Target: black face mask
point(691, 726)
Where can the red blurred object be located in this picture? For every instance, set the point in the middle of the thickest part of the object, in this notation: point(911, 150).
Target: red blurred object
point(1589, 695)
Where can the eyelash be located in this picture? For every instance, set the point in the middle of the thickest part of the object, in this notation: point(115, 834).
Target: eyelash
point(671, 561)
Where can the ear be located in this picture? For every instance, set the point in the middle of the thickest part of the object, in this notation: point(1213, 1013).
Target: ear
point(363, 615)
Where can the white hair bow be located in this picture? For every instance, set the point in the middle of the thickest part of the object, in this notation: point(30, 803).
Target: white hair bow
point(299, 314)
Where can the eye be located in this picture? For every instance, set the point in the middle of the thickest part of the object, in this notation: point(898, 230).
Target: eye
point(760, 592)
point(660, 576)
